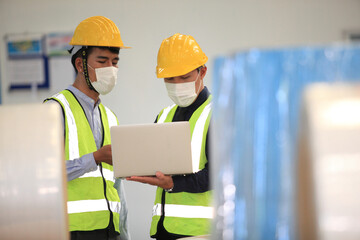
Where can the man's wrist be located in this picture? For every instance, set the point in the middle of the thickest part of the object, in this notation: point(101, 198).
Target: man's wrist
point(169, 189)
point(95, 156)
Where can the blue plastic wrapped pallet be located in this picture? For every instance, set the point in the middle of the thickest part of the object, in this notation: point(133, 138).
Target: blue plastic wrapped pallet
point(257, 96)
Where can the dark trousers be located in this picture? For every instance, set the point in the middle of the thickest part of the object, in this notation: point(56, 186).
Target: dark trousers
point(162, 234)
point(108, 233)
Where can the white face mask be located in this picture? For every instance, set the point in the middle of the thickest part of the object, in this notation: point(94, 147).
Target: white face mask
point(106, 78)
point(182, 94)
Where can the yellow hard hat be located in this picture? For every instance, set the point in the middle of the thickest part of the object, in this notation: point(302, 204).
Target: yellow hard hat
point(97, 31)
point(179, 55)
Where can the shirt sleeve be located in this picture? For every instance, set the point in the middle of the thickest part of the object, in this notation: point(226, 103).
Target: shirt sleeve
point(123, 223)
point(194, 183)
point(77, 167)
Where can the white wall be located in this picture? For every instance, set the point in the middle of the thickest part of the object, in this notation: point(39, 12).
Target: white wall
point(220, 27)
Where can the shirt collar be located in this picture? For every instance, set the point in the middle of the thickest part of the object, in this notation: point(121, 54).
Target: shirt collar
point(84, 98)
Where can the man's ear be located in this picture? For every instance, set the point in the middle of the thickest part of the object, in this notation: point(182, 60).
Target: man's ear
point(203, 71)
point(78, 64)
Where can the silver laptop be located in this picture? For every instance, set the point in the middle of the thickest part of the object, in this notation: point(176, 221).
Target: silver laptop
point(143, 149)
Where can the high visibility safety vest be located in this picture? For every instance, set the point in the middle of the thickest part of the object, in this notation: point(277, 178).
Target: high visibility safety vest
point(187, 213)
point(92, 196)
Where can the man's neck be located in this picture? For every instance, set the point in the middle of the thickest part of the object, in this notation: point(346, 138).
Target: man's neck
point(81, 84)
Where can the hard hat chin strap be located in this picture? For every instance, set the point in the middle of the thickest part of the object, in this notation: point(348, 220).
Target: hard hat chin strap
point(86, 72)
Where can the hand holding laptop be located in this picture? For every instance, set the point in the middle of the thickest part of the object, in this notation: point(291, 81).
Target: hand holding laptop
point(160, 180)
point(103, 155)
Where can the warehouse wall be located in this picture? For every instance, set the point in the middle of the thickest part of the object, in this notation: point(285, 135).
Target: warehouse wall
point(220, 27)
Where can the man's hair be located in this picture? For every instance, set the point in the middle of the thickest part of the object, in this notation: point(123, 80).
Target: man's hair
point(89, 50)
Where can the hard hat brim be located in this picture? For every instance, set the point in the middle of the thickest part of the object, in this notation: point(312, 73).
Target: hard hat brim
point(175, 71)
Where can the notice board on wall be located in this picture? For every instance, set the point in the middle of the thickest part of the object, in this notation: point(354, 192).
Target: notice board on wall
point(28, 58)
point(27, 64)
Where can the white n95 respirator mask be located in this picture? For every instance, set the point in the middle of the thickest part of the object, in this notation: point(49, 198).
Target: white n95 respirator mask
point(182, 94)
point(106, 79)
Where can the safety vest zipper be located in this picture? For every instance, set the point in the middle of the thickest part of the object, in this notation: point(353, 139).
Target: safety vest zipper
point(101, 169)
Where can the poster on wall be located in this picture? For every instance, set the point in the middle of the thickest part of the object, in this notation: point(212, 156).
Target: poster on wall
point(57, 44)
point(27, 63)
point(62, 73)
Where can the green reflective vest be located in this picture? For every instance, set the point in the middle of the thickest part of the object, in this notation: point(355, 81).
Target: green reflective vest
point(92, 196)
point(187, 213)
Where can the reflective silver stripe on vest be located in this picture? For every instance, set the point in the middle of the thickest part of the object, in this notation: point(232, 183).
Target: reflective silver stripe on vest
point(111, 117)
point(73, 137)
point(197, 137)
point(108, 174)
point(92, 206)
point(165, 113)
point(184, 211)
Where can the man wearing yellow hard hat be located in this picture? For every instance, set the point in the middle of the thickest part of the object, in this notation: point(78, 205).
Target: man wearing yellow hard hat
point(183, 202)
point(96, 204)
